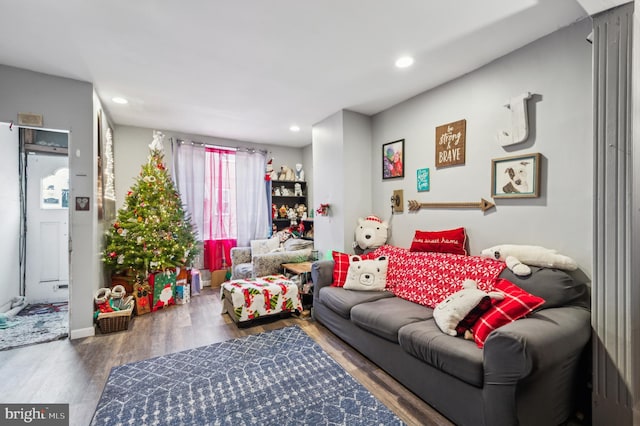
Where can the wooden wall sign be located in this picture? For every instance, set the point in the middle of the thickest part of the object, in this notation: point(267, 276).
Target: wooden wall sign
point(450, 143)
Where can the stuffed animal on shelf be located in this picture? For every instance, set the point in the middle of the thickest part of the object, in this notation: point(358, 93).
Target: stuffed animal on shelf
point(269, 170)
point(283, 211)
point(371, 233)
point(302, 211)
point(517, 257)
point(458, 312)
point(292, 215)
point(286, 173)
point(297, 190)
point(299, 173)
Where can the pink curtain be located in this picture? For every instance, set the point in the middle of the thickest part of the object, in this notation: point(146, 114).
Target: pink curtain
point(220, 221)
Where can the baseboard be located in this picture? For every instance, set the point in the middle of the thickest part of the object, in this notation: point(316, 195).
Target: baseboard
point(83, 332)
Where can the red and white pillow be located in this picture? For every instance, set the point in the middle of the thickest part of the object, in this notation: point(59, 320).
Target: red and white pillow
point(341, 266)
point(516, 304)
point(447, 241)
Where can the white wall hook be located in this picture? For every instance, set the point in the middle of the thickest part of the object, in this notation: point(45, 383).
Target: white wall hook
point(519, 131)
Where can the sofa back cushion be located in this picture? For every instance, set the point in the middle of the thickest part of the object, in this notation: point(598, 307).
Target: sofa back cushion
point(428, 278)
point(264, 246)
point(556, 287)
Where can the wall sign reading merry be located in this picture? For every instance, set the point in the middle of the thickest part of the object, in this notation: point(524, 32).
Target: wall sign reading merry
point(450, 143)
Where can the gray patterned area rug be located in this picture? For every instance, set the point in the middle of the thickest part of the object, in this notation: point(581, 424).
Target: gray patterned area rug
point(37, 323)
point(280, 377)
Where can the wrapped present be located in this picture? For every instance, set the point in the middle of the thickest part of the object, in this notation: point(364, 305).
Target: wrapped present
point(164, 289)
point(183, 294)
point(142, 295)
point(182, 286)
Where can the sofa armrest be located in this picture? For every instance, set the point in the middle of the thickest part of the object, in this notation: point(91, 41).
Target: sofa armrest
point(240, 255)
point(321, 275)
point(271, 263)
point(544, 348)
point(543, 339)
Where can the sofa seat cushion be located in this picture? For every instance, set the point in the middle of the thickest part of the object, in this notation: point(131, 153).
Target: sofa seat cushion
point(385, 317)
point(453, 355)
point(341, 301)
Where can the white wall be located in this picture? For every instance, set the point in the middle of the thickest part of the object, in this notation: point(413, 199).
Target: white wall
point(10, 214)
point(131, 150)
point(356, 186)
point(557, 69)
point(342, 170)
point(65, 105)
point(328, 182)
point(307, 165)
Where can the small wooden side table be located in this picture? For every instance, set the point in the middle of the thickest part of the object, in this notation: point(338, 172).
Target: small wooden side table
point(302, 270)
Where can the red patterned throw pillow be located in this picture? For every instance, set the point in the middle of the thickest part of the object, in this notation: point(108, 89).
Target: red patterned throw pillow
point(516, 304)
point(448, 241)
point(341, 266)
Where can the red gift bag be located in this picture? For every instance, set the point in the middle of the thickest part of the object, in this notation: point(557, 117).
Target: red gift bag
point(164, 289)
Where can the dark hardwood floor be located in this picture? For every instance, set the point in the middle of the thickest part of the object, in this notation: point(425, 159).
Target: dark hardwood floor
point(75, 371)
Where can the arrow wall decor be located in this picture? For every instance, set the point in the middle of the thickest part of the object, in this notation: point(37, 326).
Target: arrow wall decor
point(482, 205)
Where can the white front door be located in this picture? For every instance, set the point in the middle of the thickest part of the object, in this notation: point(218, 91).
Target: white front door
point(47, 233)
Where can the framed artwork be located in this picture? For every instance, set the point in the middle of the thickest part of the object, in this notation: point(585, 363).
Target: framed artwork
point(422, 176)
point(393, 159)
point(451, 143)
point(516, 177)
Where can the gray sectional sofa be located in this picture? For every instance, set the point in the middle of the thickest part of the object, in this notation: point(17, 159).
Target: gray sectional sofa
point(525, 374)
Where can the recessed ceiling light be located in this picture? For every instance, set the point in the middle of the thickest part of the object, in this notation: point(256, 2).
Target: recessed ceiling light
point(294, 128)
point(404, 62)
point(120, 100)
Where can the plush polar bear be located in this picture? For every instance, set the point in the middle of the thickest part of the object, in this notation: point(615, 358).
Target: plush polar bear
point(371, 233)
point(368, 274)
point(517, 257)
point(285, 173)
point(451, 311)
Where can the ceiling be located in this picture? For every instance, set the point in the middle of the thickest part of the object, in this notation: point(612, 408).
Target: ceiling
point(249, 69)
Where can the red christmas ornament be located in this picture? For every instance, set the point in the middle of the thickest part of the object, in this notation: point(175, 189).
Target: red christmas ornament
point(113, 254)
point(116, 225)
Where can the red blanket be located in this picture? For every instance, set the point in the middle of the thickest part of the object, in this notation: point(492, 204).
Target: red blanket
point(428, 278)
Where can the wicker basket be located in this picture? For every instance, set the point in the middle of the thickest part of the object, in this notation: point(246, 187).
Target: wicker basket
point(115, 321)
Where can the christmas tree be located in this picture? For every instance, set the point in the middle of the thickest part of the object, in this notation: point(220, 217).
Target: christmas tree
point(152, 232)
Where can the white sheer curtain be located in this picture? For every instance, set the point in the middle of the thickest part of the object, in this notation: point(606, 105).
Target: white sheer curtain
point(252, 209)
point(189, 166)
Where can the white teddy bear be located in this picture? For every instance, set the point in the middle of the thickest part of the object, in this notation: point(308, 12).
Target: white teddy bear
point(285, 173)
point(456, 307)
point(368, 274)
point(517, 257)
point(371, 233)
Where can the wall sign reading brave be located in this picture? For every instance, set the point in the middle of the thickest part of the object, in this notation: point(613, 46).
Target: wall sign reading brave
point(450, 143)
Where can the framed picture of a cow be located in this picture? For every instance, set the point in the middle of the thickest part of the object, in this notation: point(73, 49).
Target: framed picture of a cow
point(516, 177)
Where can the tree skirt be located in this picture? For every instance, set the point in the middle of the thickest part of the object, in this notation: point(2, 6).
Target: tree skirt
point(36, 324)
point(280, 377)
